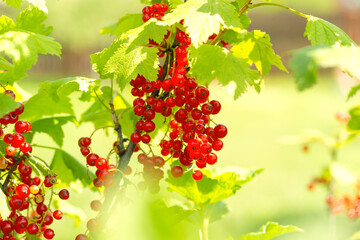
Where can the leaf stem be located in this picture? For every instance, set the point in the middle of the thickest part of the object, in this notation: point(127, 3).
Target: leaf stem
point(99, 129)
point(42, 146)
point(280, 5)
point(102, 103)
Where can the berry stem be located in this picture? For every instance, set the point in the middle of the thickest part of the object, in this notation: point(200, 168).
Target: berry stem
point(279, 5)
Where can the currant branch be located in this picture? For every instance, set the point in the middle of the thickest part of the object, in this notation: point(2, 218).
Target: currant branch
point(11, 171)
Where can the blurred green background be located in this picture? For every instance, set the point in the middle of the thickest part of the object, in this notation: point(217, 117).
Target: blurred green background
point(256, 123)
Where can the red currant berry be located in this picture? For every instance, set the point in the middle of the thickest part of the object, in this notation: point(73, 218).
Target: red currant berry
point(220, 131)
point(101, 163)
point(136, 137)
point(177, 171)
point(197, 175)
point(64, 194)
point(58, 214)
point(217, 145)
point(49, 233)
point(91, 159)
point(81, 237)
point(32, 228)
point(22, 191)
point(145, 138)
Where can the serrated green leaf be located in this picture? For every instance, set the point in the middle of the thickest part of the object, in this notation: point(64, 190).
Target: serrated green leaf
point(7, 104)
point(353, 91)
point(47, 103)
point(70, 169)
point(204, 18)
point(270, 231)
point(124, 24)
point(4, 206)
point(306, 61)
point(32, 19)
point(23, 41)
point(52, 127)
point(119, 63)
point(52, 97)
point(210, 62)
point(256, 48)
point(41, 4)
point(70, 210)
point(13, 3)
point(210, 189)
point(322, 32)
point(140, 36)
point(127, 56)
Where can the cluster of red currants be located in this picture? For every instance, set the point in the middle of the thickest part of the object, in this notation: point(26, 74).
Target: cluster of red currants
point(104, 177)
point(157, 11)
point(190, 136)
point(152, 172)
point(26, 194)
point(105, 171)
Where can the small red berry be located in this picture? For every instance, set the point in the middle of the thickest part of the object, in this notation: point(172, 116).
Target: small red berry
point(64, 194)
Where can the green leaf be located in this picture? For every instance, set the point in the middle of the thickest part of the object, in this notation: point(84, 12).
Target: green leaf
point(52, 97)
point(32, 237)
point(234, 36)
point(321, 32)
point(118, 63)
point(99, 116)
point(70, 169)
point(53, 127)
point(32, 19)
point(41, 4)
point(353, 91)
point(7, 104)
point(210, 62)
point(4, 206)
point(270, 231)
point(204, 18)
point(210, 189)
point(13, 3)
point(306, 61)
point(70, 210)
point(4, 64)
point(23, 41)
point(256, 48)
point(354, 122)
point(140, 36)
point(124, 24)
point(175, 3)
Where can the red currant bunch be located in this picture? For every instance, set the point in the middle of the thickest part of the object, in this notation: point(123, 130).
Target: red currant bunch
point(25, 193)
point(157, 11)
